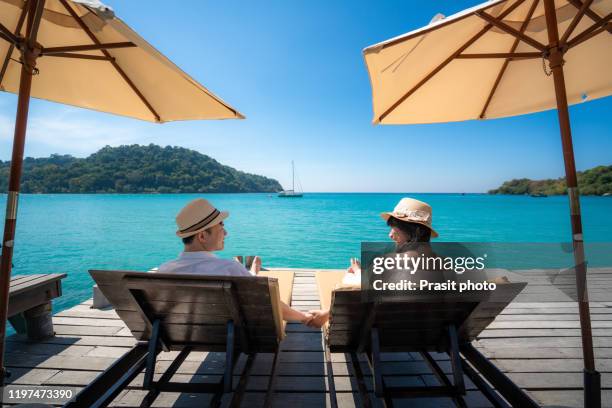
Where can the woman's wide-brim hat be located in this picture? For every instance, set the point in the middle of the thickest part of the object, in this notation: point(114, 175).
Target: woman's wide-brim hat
point(198, 215)
point(411, 210)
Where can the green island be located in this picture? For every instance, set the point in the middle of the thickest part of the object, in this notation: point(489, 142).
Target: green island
point(135, 169)
point(595, 181)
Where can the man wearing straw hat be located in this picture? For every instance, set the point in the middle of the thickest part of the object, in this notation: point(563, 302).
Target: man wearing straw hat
point(200, 226)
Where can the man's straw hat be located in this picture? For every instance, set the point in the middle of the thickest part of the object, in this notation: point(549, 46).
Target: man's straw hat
point(411, 210)
point(197, 216)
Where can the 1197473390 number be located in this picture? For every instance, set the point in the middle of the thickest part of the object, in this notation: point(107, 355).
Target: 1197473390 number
point(39, 393)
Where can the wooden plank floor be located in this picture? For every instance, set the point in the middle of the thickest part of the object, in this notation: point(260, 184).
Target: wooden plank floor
point(536, 341)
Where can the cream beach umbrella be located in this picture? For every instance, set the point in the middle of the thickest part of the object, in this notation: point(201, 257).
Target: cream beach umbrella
point(504, 58)
point(78, 53)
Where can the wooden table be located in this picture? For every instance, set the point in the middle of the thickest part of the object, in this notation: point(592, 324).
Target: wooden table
point(29, 309)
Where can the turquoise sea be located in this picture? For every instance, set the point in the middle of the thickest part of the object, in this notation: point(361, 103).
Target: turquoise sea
point(74, 233)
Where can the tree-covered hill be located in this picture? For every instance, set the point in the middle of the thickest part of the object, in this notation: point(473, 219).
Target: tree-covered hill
point(135, 169)
point(595, 181)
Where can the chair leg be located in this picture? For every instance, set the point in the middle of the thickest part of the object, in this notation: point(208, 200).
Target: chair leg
point(363, 391)
point(106, 386)
point(516, 396)
point(376, 368)
point(484, 387)
point(152, 356)
point(441, 377)
point(330, 376)
point(165, 378)
point(229, 358)
point(244, 378)
point(456, 360)
point(272, 382)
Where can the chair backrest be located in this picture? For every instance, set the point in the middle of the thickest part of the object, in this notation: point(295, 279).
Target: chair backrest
point(193, 310)
point(402, 325)
point(416, 322)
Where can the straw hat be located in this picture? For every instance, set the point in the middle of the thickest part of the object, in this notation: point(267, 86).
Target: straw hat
point(411, 210)
point(198, 216)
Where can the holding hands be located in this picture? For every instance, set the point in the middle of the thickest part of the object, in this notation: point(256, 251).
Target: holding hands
point(312, 318)
point(319, 318)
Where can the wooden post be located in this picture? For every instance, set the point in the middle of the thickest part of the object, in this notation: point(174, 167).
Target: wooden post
point(592, 387)
point(30, 52)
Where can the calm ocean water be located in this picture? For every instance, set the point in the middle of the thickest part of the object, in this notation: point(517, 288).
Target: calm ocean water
point(74, 233)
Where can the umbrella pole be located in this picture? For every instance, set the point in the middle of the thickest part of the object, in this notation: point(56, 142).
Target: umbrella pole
point(30, 52)
point(592, 381)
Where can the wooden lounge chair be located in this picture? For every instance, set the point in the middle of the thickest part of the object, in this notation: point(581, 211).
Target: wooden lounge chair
point(419, 323)
point(188, 313)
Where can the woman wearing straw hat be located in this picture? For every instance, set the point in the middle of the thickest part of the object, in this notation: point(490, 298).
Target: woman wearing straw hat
point(411, 229)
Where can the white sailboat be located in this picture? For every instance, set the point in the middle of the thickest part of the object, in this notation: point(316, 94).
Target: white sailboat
point(291, 193)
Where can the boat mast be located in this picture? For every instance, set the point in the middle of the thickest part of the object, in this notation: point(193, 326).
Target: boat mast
point(292, 176)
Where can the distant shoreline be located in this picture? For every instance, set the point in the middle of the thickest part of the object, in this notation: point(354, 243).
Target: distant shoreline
point(135, 169)
point(592, 182)
point(305, 193)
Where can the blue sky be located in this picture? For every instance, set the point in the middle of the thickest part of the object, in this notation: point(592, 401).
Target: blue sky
point(295, 69)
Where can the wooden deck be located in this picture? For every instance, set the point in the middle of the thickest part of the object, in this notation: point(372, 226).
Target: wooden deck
point(536, 341)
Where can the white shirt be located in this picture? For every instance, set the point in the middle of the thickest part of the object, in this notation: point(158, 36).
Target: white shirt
point(353, 279)
point(203, 263)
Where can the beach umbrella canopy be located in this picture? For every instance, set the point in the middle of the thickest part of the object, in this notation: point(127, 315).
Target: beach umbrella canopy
point(91, 59)
point(77, 52)
point(476, 65)
point(498, 59)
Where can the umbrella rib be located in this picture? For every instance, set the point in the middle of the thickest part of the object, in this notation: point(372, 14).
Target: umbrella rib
point(590, 13)
point(505, 27)
point(6, 34)
point(509, 55)
point(111, 59)
point(6, 38)
point(78, 56)
point(502, 71)
point(87, 47)
point(446, 62)
point(575, 21)
point(590, 32)
point(11, 48)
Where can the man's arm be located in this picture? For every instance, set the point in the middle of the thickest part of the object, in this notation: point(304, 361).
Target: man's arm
point(290, 314)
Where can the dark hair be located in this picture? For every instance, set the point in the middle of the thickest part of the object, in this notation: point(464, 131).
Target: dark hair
point(415, 232)
point(188, 240)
